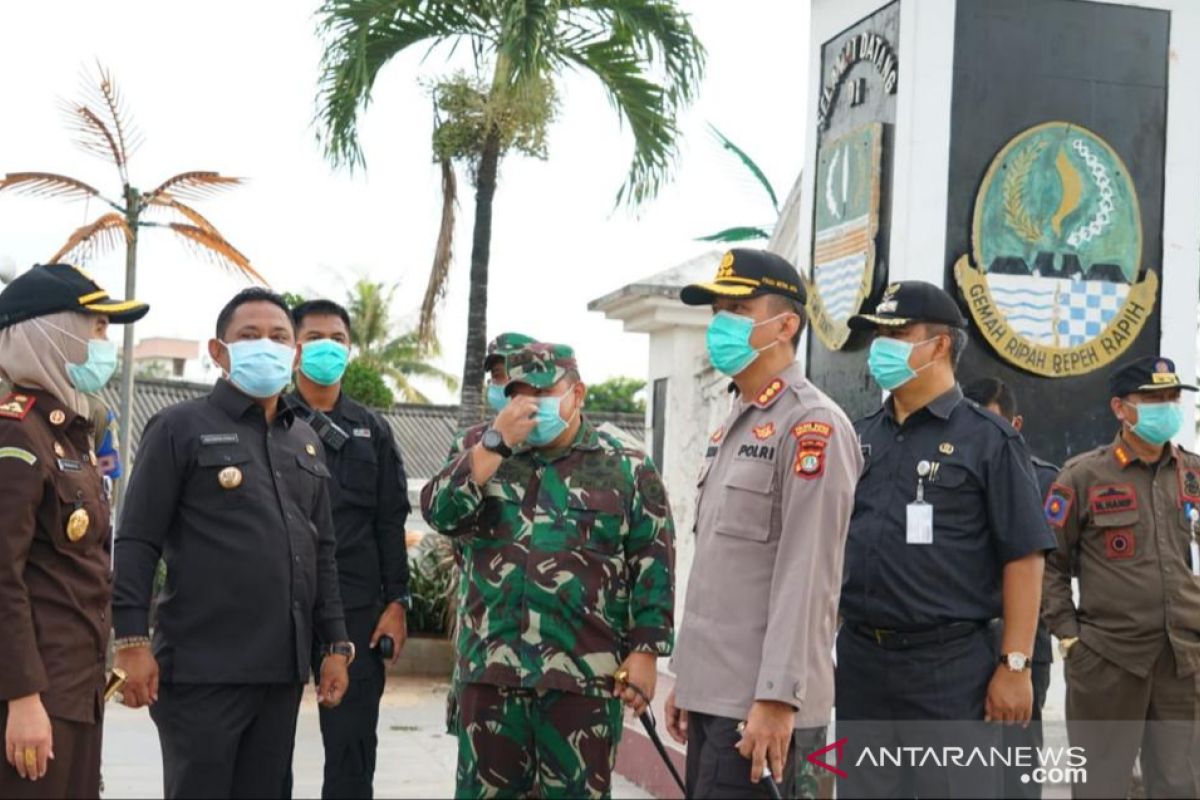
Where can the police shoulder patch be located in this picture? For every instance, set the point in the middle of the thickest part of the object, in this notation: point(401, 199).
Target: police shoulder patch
point(1058, 504)
point(16, 406)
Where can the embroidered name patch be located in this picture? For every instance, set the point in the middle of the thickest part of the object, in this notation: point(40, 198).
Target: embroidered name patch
point(218, 438)
point(1112, 499)
point(1058, 504)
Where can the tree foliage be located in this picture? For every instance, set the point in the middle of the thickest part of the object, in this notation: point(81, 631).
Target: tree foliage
point(618, 394)
point(362, 382)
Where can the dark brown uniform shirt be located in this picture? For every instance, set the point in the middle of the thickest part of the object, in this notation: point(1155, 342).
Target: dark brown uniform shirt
point(55, 587)
point(1125, 523)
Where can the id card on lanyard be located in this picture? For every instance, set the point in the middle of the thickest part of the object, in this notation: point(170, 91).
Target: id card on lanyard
point(919, 514)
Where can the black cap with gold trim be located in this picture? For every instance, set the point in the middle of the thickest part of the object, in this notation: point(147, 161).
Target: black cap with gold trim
point(747, 273)
point(1148, 374)
point(50, 288)
point(911, 301)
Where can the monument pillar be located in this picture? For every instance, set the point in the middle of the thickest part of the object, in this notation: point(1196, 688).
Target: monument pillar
point(1036, 158)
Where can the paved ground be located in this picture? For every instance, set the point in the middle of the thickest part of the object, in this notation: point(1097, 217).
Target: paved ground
point(416, 757)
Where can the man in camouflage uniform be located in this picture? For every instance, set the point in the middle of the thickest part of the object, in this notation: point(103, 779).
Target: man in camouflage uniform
point(494, 365)
point(568, 554)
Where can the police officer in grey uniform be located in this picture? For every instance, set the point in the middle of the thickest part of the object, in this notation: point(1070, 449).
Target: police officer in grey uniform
point(776, 491)
point(946, 536)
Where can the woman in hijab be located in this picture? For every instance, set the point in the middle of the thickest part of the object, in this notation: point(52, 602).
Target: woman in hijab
point(54, 530)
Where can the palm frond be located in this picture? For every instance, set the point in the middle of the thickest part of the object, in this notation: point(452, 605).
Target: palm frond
point(408, 393)
point(94, 239)
point(527, 31)
point(47, 184)
point(361, 36)
point(742, 233)
point(443, 254)
point(211, 244)
point(102, 93)
point(749, 163)
point(193, 185)
point(93, 136)
point(646, 38)
point(165, 201)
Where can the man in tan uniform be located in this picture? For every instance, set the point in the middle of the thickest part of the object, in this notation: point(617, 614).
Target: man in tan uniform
point(776, 494)
point(1124, 514)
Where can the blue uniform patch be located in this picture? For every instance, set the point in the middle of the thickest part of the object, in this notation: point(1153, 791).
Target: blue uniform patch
point(1058, 504)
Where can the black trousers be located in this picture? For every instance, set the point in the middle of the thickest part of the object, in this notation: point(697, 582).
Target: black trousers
point(930, 697)
point(348, 731)
point(226, 741)
point(75, 770)
point(715, 769)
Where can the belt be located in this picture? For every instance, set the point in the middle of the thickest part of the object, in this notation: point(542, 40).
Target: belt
point(902, 640)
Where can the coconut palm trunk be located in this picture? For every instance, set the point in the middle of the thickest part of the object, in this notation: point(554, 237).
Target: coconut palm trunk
point(471, 410)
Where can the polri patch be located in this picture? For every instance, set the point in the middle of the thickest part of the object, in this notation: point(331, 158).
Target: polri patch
point(810, 459)
point(1112, 499)
point(1058, 504)
point(218, 438)
point(1119, 544)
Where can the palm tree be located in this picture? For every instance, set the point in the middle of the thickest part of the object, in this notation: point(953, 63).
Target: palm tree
point(102, 126)
point(744, 233)
point(397, 358)
point(643, 52)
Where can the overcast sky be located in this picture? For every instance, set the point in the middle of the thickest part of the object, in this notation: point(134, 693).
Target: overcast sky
point(229, 86)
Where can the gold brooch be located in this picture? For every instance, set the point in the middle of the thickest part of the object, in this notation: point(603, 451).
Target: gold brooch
point(77, 524)
point(230, 478)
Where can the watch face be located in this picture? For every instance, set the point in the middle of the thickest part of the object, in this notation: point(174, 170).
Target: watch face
point(491, 439)
point(1016, 661)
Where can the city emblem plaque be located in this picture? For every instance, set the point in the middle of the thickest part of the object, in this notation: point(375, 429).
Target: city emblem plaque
point(1056, 286)
point(845, 228)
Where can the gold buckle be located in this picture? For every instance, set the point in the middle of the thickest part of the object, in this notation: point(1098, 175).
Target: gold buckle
point(880, 633)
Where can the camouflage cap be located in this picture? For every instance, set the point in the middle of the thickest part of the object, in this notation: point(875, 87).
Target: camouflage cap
point(540, 365)
point(505, 345)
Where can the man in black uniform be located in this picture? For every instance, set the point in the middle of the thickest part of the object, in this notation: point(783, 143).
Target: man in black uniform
point(996, 396)
point(369, 497)
point(946, 535)
point(230, 491)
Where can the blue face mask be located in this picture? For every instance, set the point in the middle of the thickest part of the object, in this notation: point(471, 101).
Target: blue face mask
point(1157, 423)
point(496, 397)
point(888, 362)
point(323, 361)
point(728, 340)
point(550, 423)
point(95, 372)
point(260, 367)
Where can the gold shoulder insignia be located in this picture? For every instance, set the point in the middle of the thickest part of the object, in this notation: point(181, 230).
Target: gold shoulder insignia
point(16, 406)
point(770, 393)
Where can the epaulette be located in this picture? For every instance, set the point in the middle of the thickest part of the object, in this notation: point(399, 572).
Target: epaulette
point(1086, 456)
point(1000, 422)
point(16, 405)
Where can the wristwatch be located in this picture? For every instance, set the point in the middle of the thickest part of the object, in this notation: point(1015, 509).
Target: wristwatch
point(341, 649)
point(403, 600)
point(493, 442)
point(1016, 662)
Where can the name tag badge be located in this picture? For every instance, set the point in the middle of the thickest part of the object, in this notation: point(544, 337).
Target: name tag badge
point(362, 433)
point(1195, 558)
point(218, 438)
point(919, 529)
